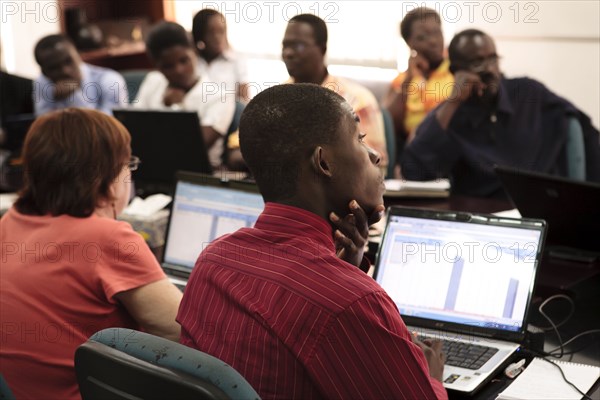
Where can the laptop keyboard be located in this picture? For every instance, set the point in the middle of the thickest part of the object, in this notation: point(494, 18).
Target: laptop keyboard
point(465, 355)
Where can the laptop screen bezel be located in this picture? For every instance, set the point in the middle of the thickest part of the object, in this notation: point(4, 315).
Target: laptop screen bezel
point(473, 218)
point(204, 180)
point(544, 196)
point(181, 146)
point(16, 127)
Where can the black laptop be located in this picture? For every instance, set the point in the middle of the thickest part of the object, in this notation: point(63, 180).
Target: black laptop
point(16, 128)
point(165, 141)
point(466, 279)
point(571, 208)
point(204, 208)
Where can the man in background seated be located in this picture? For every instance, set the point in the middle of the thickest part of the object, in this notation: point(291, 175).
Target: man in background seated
point(427, 81)
point(303, 52)
point(276, 301)
point(66, 81)
point(488, 120)
point(177, 86)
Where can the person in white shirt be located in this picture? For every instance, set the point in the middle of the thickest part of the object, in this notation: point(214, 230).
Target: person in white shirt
point(66, 81)
point(216, 58)
point(178, 86)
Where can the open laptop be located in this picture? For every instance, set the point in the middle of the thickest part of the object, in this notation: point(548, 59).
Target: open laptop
point(571, 208)
point(463, 278)
point(165, 141)
point(16, 128)
point(204, 208)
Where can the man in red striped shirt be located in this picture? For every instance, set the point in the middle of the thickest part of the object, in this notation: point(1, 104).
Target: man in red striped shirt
point(294, 316)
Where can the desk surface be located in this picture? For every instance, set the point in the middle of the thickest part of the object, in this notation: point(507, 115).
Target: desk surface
point(585, 317)
point(454, 203)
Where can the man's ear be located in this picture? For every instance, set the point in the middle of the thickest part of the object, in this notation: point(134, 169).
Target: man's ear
point(321, 162)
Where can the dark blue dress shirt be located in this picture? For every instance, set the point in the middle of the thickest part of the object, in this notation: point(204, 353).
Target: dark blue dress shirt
point(526, 129)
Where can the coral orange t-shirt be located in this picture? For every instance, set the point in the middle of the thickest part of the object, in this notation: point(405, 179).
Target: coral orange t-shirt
point(58, 281)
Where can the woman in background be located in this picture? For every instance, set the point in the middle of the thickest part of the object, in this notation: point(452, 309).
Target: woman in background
point(69, 268)
point(427, 82)
point(216, 59)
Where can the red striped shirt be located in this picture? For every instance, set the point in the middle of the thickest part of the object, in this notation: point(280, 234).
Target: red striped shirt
point(276, 303)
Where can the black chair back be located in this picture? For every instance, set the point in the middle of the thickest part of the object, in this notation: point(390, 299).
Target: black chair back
point(120, 364)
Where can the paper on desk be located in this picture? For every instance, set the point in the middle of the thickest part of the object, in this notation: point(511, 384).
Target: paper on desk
point(148, 206)
point(514, 213)
point(7, 200)
point(399, 185)
point(541, 380)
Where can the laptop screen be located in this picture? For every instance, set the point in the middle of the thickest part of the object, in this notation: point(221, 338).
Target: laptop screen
point(202, 213)
point(16, 128)
point(163, 149)
point(472, 273)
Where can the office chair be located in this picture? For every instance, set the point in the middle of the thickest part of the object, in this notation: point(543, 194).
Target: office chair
point(133, 80)
point(119, 363)
point(5, 392)
point(390, 140)
point(235, 123)
point(575, 150)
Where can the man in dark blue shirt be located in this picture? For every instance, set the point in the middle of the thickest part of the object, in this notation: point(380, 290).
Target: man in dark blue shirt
point(490, 120)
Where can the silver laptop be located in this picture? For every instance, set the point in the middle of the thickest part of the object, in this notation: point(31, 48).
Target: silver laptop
point(466, 279)
point(204, 208)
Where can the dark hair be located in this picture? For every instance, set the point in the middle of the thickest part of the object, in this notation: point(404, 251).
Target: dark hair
point(281, 127)
point(454, 54)
point(165, 35)
point(420, 13)
point(200, 23)
point(318, 26)
point(71, 157)
point(48, 42)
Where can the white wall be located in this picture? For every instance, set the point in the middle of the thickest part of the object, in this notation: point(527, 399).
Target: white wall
point(22, 24)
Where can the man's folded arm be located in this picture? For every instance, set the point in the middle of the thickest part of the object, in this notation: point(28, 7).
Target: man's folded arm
point(432, 153)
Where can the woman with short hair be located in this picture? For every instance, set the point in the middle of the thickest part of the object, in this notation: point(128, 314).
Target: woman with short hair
point(69, 268)
point(216, 58)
